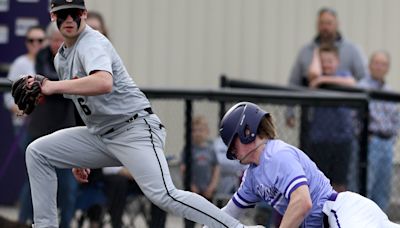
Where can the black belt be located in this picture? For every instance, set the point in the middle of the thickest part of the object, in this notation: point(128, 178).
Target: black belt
point(148, 110)
point(134, 117)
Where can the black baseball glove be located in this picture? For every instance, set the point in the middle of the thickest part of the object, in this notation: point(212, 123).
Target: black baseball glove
point(27, 96)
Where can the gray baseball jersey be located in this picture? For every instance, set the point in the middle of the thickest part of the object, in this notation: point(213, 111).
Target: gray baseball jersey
point(94, 52)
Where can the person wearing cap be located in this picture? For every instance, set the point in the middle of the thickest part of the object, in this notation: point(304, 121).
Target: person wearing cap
point(121, 127)
point(287, 179)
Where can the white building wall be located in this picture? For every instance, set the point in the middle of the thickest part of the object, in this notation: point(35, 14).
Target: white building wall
point(191, 42)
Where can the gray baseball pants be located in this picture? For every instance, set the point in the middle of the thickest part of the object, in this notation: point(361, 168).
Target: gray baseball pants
point(138, 146)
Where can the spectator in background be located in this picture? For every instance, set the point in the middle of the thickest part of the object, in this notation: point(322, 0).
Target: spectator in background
point(351, 58)
point(25, 64)
point(383, 129)
point(331, 135)
point(205, 169)
point(53, 114)
point(96, 21)
point(324, 70)
point(35, 39)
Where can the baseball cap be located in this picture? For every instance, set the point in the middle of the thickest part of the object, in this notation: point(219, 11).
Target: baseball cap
point(56, 5)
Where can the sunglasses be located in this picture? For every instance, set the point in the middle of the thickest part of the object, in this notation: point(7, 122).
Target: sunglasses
point(74, 13)
point(32, 40)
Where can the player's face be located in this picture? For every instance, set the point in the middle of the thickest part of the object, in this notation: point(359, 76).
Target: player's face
point(241, 151)
point(70, 22)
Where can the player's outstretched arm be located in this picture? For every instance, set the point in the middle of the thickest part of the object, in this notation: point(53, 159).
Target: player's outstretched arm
point(97, 83)
point(299, 205)
point(232, 210)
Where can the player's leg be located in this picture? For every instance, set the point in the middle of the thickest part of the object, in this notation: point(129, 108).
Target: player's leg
point(141, 151)
point(389, 224)
point(66, 197)
point(67, 148)
point(353, 210)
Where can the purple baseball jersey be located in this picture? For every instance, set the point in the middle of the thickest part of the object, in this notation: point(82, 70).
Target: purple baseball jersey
point(282, 169)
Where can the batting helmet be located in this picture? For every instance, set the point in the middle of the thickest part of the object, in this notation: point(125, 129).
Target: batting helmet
point(56, 5)
point(242, 116)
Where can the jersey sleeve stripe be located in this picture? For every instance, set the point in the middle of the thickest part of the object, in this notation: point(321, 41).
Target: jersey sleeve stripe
point(240, 200)
point(293, 180)
point(238, 204)
point(243, 199)
point(294, 184)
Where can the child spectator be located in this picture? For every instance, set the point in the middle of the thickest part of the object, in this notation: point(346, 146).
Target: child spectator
point(205, 169)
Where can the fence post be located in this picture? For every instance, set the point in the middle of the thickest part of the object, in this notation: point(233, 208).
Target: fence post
point(188, 144)
point(363, 161)
point(222, 107)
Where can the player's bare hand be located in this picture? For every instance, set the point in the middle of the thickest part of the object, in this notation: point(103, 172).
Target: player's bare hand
point(81, 174)
point(46, 88)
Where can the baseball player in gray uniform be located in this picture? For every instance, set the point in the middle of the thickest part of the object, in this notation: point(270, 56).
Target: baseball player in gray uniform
point(121, 127)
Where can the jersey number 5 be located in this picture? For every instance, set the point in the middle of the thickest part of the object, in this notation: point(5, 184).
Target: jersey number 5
point(84, 107)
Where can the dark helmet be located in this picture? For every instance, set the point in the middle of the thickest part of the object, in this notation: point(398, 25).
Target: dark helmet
point(56, 5)
point(242, 116)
